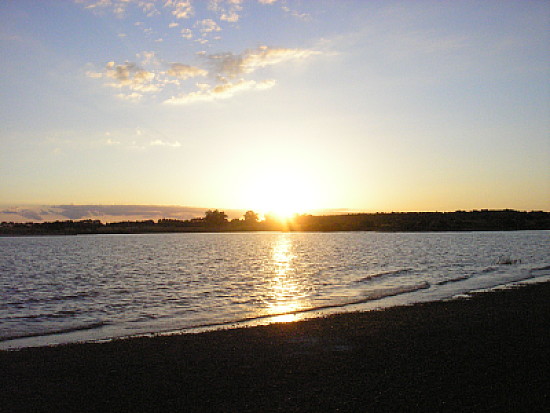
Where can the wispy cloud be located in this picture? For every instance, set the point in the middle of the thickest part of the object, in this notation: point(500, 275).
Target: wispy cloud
point(182, 71)
point(208, 26)
point(297, 14)
point(131, 97)
point(182, 9)
point(227, 10)
point(111, 142)
point(221, 91)
point(148, 58)
point(128, 75)
point(160, 142)
point(139, 138)
point(231, 65)
point(226, 67)
point(106, 213)
point(187, 33)
point(26, 213)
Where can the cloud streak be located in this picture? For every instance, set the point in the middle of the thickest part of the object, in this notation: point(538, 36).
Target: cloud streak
point(183, 71)
point(105, 213)
point(128, 75)
point(232, 65)
point(221, 91)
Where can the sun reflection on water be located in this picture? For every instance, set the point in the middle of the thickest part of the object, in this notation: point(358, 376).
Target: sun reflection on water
point(286, 294)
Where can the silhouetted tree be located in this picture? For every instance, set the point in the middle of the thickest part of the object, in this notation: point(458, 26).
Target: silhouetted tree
point(250, 217)
point(215, 217)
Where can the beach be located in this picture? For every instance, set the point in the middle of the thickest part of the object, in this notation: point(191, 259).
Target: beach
point(489, 352)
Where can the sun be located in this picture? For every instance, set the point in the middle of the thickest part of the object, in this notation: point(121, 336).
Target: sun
point(282, 191)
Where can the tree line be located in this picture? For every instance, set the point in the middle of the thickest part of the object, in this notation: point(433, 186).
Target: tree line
point(217, 221)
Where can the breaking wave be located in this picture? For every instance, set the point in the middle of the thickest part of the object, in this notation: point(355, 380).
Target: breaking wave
point(90, 326)
point(379, 275)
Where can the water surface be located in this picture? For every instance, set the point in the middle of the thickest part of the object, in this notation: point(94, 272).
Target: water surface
point(70, 288)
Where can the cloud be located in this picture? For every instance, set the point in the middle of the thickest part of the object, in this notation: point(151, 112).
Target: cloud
point(220, 91)
point(160, 142)
point(118, 8)
point(232, 65)
point(94, 75)
point(111, 142)
point(105, 213)
point(228, 71)
point(298, 15)
point(23, 212)
point(148, 58)
point(232, 16)
point(208, 26)
point(180, 9)
point(148, 8)
point(182, 71)
point(186, 33)
point(130, 76)
point(132, 97)
point(227, 10)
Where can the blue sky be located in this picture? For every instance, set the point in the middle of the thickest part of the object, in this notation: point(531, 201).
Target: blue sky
point(276, 105)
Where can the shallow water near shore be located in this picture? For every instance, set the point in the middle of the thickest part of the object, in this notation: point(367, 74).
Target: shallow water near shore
point(82, 288)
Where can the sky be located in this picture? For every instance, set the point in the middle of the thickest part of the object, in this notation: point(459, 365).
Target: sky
point(274, 105)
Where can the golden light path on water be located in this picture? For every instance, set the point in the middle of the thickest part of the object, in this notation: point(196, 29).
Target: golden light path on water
point(287, 294)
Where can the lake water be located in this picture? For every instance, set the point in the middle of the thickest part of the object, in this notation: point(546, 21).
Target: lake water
point(73, 288)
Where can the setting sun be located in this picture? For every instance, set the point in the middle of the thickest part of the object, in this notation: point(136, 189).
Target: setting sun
point(282, 190)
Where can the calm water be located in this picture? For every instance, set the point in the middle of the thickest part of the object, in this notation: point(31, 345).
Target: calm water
point(62, 289)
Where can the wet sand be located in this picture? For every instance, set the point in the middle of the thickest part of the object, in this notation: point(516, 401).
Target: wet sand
point(487, 353)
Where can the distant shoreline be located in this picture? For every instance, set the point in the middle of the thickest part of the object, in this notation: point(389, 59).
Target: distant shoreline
point(258, 231)
point(216, 221)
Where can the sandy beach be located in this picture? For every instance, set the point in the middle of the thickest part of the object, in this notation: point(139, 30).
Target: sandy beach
point(487, 353)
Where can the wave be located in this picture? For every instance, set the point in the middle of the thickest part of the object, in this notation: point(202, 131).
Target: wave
point(384, 274)
point(90, 326)
point(76, 296)
point(46, 316)
point(454, 280)
point(488, 270)
point(372, 296)
point(532, 273)
point(369, 297)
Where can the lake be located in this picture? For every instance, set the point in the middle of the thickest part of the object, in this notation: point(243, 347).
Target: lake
point(94, 287)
